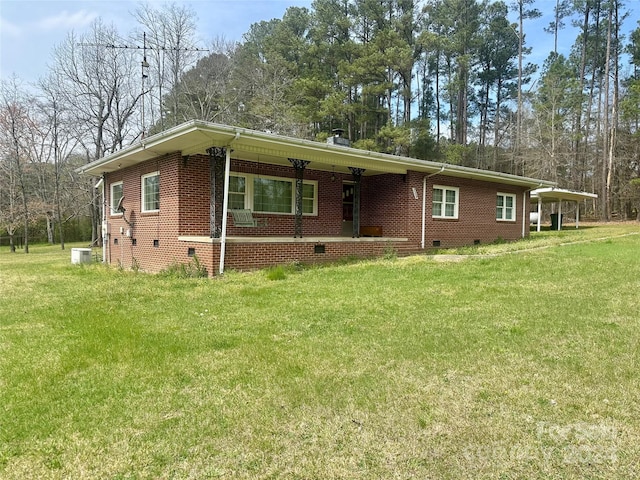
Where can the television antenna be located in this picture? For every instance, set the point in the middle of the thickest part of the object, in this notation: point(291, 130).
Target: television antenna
point(144, 73)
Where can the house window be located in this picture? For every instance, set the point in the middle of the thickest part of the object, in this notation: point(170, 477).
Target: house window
point(115, 197)
point(308, 198)
point(506, 207)
point(151, 192)
point(445, 202)
point(237, 192)
point(271, 194)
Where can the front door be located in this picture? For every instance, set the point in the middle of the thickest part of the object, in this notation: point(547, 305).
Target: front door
point(347, 209)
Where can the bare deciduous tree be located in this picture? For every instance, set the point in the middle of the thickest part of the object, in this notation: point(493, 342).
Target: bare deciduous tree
point(15, 123)
point(96, 82)
point(169, 34)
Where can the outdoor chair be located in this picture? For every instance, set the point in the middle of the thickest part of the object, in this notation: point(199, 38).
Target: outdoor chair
point(244, 218)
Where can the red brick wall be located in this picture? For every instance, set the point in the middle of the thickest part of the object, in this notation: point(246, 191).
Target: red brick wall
point(328, 222)
point(476, 215)
point(194, 202)
point(387, 201)
point(138, 250)
point(384, 202)
point(194, 195)
point(243, 256)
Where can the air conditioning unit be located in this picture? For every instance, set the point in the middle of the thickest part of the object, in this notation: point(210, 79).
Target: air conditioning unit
point(80, 255)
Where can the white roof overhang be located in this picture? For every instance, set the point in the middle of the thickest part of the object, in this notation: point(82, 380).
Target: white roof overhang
point(197, 136)
point(552, 194)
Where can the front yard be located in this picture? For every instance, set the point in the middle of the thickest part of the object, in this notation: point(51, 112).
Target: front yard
point(498, 366)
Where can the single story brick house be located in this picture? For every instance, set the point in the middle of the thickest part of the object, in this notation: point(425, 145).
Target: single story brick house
point(242, 199)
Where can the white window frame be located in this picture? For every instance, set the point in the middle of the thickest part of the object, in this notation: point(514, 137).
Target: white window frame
point(249, 192)
point(504, 207)
point(456, 205)
point(143, 192)
point(246, 186)
point(112, 200)
point(314, 208)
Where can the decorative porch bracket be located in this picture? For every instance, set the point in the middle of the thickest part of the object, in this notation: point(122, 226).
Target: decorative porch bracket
point(357, 176)
point(299, 166)
point(217, 156)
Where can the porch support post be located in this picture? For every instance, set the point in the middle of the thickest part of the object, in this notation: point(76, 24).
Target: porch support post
point(539, 213)
point(559, 214)
point(299, 166)
point(357, 176)
point(217, 156)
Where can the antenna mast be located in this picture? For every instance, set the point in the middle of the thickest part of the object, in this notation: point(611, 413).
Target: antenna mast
point(144, 74)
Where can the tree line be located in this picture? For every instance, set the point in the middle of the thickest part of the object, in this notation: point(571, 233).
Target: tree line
point(444, 80)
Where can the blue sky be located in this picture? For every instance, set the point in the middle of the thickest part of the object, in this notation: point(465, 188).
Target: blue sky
point(30, 29)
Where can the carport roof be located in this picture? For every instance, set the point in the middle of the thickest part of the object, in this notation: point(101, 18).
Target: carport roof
point(197, 136)
point(553, 194)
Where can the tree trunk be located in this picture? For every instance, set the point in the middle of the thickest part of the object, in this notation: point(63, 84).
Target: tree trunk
point(12, 241)
point(577, 127)
point(50, 226)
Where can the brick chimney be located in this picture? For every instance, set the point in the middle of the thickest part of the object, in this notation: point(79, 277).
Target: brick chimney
point(338, 139)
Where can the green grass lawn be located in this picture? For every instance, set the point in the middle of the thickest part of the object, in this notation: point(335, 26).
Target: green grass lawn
point(499, 366)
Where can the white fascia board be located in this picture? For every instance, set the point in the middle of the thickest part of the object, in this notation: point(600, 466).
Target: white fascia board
point(197, 136)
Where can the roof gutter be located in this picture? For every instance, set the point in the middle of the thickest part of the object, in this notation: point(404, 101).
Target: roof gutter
point(424, 204)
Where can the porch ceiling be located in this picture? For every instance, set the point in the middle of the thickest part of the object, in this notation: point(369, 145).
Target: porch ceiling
point(197, 136)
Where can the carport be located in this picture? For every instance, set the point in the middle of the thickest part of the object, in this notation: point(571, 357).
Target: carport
point(558, 195)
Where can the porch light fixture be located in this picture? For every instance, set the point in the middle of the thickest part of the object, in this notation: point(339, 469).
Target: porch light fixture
point(333, 173)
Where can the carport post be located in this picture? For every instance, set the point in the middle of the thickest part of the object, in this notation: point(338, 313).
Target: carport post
point(539, 213)
point(559, 213)
point(577, 213)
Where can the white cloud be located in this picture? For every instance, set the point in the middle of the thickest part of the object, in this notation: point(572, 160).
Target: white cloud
point(66, 20)
point(9, 29)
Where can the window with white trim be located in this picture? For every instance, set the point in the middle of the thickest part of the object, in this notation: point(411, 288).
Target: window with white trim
point(150, 192)
point(308, 198)
point(114, 197)
point(237, 191)
point(506, 207)
point(271, 194)
point(445, 202)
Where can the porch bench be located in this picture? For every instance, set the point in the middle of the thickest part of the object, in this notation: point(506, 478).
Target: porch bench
point(244, 218)
point(371, 231)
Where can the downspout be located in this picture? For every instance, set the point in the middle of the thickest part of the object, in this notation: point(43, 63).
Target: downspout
point(105, 233)
point(424, 204)
point(225, 203)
